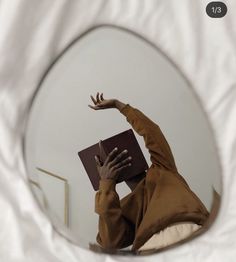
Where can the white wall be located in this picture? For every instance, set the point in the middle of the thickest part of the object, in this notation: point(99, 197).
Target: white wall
point(125, 67)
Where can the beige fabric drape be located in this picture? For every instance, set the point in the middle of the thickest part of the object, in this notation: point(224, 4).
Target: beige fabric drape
point(170, 235)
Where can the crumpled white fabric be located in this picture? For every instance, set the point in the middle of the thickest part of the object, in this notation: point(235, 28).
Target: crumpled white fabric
point(32, 35)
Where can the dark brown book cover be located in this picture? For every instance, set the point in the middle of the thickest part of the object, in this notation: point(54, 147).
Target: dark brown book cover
point(123, 140)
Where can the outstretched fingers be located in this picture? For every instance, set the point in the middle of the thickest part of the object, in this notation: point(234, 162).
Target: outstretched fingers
point(98, 99)
point(98, 161)
point(94, 100)
point(123, 167)
point(111, 155)
point(118, 157)
point(97, 102)
point(95, 107)
point(122, 163)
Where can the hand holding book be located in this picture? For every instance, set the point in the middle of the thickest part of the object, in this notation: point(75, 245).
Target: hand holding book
point(113, 164)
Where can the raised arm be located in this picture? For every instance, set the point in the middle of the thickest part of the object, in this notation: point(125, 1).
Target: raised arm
point(157, 145)
point(155, 141)
point(115, 231)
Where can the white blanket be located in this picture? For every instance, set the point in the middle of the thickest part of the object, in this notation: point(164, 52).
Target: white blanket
point(32, 35)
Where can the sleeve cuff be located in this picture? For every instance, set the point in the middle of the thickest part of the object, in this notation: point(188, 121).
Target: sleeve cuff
point(125, 109)
point(107, 185)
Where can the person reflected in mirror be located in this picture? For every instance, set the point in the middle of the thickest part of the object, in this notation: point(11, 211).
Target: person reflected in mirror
point(161, 208)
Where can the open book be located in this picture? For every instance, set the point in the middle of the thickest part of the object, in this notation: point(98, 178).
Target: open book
point(123, 140)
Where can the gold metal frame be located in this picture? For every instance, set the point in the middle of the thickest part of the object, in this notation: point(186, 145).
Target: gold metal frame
point(66, 195)
point(45, 203)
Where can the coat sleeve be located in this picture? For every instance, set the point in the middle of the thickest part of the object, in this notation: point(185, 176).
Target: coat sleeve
point(155, 142)
point(115, 231)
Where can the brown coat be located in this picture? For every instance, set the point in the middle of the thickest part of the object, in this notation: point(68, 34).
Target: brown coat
point(161, 198)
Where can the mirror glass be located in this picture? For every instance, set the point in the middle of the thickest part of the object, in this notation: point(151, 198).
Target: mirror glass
point(145, 92)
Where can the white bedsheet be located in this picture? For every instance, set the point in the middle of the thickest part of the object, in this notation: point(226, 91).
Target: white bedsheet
point(33, 33)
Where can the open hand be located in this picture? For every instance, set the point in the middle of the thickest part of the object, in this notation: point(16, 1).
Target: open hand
point(113, 165)
point(101, 103)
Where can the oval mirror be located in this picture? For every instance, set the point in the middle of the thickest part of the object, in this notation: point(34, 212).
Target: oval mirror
point(145, 106)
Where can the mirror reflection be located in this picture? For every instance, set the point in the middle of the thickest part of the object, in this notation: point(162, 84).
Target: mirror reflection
point(118, 148)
